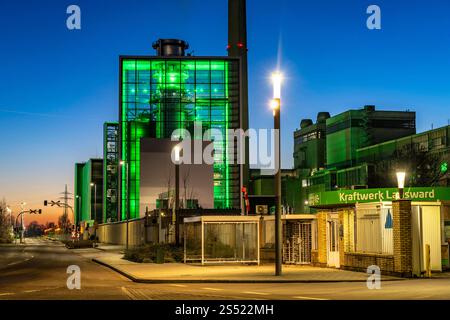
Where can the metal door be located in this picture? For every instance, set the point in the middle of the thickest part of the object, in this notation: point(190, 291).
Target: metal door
point(297, 243)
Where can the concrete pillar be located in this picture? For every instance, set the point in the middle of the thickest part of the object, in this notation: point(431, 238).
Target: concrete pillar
point(402, 234)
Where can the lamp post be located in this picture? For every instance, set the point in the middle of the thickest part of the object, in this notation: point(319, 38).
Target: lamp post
point(94, 185)
point(276, 105)
point(401, 175)
point(77, 215)
point(22, 226)
point(8, 209)
point(123, 163)
point(177, 152)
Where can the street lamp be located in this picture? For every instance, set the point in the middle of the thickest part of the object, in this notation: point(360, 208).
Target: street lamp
point(77, 215)
point(276, 106)
point(8, 209)
point(401, 175)
point(176, 158)
point(94, 185)
point(123, 163)
point(22, 222)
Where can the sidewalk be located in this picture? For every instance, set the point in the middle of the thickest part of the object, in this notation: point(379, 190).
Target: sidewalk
point(188, 273)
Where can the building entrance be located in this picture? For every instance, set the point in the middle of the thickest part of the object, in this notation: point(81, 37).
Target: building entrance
point(333, 241)
point(297, 242)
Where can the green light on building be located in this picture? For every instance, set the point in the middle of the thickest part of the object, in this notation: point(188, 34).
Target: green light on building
point(444, 168)
point(159, 96)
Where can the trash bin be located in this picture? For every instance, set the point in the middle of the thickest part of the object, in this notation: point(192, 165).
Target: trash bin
point(159, 255)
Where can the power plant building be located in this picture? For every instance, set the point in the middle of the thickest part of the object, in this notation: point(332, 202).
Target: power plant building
point(170, 91)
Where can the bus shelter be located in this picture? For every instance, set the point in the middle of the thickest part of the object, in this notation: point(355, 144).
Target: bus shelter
point(221, 239)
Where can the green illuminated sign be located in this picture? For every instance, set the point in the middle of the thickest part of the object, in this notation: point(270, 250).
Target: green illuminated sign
point(329, 198)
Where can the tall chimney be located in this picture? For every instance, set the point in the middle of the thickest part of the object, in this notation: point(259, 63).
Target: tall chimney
point(237, 47)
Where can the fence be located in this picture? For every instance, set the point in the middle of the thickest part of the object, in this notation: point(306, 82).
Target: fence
point(138, 233)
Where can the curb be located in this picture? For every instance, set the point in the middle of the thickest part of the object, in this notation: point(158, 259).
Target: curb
point(140, 280)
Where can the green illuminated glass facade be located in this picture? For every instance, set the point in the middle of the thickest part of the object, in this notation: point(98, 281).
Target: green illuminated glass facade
point(110, 171)
point(160, 95)
point(89, 200)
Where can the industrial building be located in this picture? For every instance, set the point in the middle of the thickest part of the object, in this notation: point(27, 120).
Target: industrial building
point(88, 192)
point(326, 154)
point(110, 171)
point(171, 91)
point(345, 133)
point(160, 94)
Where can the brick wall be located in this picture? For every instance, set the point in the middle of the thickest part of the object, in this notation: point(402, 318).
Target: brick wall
point(402, 233)
point(322, 238)
point(361, 261)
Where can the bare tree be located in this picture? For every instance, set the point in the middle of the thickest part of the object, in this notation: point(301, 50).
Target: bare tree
point(169, 185)
point(424, 168)
point(185, 185)
point(5, 228)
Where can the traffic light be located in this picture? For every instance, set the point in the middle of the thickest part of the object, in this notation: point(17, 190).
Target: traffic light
point(40, 211)
point(45, 203)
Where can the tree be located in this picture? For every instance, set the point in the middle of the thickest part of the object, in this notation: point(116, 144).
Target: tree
point(423, 168)
point(64, 222)
point(35, 229)
point(5, 227)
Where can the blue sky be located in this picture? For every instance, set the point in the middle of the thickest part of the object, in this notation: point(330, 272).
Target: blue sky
point(59, 86)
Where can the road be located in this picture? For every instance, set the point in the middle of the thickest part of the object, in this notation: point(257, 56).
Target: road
point(37, 271)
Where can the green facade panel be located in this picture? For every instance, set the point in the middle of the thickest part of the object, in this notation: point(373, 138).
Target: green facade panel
point(87, 206)
point(159, 96)
point(110, 171)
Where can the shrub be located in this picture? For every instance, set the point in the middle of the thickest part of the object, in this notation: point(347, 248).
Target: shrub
point(148, 253)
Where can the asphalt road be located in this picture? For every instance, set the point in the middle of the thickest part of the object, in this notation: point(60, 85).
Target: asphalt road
point(37, 271)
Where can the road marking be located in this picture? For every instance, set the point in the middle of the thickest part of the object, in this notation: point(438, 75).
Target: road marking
point(308, 298)
point(213, 289)
point(7, 294)
point(31, 291)
point(258, 293)
point(128, 293)
point(178, 285)
point(134, 294)
point(17, 262)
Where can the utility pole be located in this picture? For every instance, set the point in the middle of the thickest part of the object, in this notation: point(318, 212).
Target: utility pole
point(66, 196)
point(22, 229)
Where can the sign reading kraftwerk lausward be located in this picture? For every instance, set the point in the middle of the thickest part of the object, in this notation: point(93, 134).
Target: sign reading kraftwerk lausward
point(377, 195)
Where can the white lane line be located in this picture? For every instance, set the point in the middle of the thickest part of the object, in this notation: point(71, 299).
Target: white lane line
point(7, 294)
point(308, 298)
point(178, 285)
point(17, 262)
point(31, 291)
point(128, 293)
point(213, 289)
point(258, 293)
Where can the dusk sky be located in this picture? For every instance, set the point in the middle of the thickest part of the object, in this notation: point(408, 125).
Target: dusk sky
point(59, 86)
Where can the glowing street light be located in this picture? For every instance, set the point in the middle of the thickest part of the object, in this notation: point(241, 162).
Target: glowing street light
point(93, 185)
point(177, 157)
point(275, 104)
point(277, 79)
point(8, 209)
point(401, 175)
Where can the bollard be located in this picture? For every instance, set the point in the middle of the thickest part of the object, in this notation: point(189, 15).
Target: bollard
point(428, 260)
